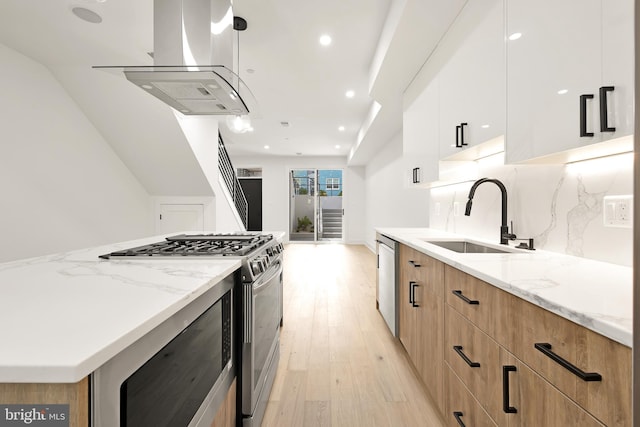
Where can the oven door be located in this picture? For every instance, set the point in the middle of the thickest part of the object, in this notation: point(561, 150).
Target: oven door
point(261, 336)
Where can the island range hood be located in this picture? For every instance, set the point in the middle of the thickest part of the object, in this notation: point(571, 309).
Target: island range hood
point(188, 35)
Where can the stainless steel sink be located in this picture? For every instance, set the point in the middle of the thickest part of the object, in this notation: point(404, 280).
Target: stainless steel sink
point(462, 246)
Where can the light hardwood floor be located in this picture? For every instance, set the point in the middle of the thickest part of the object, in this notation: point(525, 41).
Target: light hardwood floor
point(339, 364)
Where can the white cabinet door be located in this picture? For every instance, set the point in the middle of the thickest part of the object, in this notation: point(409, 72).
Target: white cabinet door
point(567, 52)
point(618, 65)
point(420, 137)
point(180, 217)
point(472, 91)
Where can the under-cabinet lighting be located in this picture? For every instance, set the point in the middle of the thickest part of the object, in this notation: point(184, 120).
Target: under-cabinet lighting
point(495, 159)
point(606, 165)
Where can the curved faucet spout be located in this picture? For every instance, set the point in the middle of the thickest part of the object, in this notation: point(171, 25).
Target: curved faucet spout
point(505, 236)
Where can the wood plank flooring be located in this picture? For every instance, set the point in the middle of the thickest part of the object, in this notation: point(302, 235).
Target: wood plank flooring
point(339, 364)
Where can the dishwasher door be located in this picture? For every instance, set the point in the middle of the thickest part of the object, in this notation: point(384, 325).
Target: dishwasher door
point(387, 285)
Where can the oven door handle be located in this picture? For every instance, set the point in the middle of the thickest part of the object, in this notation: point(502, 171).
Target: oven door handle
point(264, 282)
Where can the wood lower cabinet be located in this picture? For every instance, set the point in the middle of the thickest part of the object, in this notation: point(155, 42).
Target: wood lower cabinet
point(421, 317)
point(474, 357)
point(536, 402)
point(75, 395)
point(556, 360)
point(558, 372)
point(226, 415)
point(462, 409)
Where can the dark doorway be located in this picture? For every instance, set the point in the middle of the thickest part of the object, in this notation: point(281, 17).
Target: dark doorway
point(252, 188)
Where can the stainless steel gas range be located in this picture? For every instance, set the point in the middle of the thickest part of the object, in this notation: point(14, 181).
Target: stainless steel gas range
point(258, 304)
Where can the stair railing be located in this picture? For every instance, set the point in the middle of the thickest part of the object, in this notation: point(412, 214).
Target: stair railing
point(233, 184)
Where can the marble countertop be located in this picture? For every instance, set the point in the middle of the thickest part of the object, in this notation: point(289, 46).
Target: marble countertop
point(62, 316)
point(596, 295)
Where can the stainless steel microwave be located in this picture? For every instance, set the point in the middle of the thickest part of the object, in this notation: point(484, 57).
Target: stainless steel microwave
point(176, 375)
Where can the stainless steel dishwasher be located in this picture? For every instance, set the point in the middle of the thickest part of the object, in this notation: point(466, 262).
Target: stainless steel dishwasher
point(387, 250)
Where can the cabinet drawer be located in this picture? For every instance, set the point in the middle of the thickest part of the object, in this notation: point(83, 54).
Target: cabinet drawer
point(421, 267)
point(475, 358)
point(536, 402)
point(567, 354)
point(608, 400)
point(482, 304)
point(461, 405)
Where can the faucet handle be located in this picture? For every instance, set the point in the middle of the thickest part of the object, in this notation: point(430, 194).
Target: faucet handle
point(524, 245)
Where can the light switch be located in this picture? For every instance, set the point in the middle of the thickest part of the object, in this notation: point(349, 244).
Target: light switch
point(618, 211)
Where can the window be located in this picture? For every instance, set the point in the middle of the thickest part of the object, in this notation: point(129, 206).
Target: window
point(333, 183)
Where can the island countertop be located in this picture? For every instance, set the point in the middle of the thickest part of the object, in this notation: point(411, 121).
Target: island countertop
point(594, 294)
point(62, 316)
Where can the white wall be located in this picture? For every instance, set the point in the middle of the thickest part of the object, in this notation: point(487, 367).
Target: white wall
point(388, 200)
point(61, 185)
point(275, 190)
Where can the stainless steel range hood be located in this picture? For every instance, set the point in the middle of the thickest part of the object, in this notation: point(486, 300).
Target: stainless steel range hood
point(188, 36)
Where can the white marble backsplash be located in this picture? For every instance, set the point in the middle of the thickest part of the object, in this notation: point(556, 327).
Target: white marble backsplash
point(560, 206)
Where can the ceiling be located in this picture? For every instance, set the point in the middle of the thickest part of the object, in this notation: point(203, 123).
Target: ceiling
point(294, 79)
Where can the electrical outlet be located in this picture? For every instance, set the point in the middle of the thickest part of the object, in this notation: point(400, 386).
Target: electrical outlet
point(618, 211)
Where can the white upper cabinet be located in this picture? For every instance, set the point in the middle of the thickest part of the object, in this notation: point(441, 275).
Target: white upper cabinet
point(420, 137)
point(472, 81)
point(569, 74)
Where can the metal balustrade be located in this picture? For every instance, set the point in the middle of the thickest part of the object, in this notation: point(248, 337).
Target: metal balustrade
point(233, 184)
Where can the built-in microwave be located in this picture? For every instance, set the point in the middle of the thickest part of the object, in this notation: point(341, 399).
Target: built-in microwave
point(176, 375)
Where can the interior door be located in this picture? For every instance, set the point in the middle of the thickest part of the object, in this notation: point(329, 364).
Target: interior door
point(174, 218)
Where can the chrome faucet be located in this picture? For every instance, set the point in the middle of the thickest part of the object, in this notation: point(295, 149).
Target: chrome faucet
point(505, 236)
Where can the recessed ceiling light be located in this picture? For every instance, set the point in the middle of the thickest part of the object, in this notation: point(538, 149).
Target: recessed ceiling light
point(485, 126)
point(87, 15)
point(337, 146)
point(515, 36)
point(350, 94)
point(563, 91)
point(325, 40)
point(341, 128)
point(250, 70)
point(266, 147)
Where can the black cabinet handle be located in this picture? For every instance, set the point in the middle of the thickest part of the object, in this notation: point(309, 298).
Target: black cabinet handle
point(458, 137)
point(458, 415)
point(459, 294)
point(604, 119)
point(462, 125)
point(583, 115)
point(412, 294)
point(505, 389)
point(413, 263)
point(416, 175)
point(458, 349)
point(545, 348)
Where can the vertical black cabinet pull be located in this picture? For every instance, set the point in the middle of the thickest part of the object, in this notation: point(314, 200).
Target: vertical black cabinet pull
point(583, 115)
point(505, 389)
point(458, 349)
point(412, 293)
point(459, 294)
point(413, 263)
point(462, 125)
point(416, 175)
point(458, 415)
point(604, 119)
point(545, 348)
point(458, 136)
